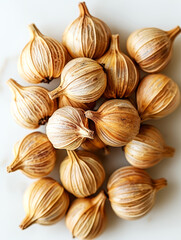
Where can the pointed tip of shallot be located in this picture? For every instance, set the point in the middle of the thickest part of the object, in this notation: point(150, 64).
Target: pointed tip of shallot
point(174, 32)
point(9, 169)
point(89, 114)
point(83, 9)
point(169, 151)
point(34, 30)
point(160, 183)
point(27, 221)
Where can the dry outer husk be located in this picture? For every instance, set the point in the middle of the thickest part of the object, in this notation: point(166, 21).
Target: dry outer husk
point(86, 36)
point(157, 96)
point(81, 173)
point(45, 202)
point(31, 106)
point(34, 156)
point(82, 80)
point(151, 48)
point(117, 122)
point(132, 192)
point(86, 217)
point(68, 128)
point(122, 74)
point(63, 101)
point(148, 148)
point(42, 59)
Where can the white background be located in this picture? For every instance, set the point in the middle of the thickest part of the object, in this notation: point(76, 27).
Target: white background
point(51, 17)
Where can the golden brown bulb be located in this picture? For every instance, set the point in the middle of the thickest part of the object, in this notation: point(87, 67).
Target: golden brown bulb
point(86, 217)
point(132, 192)
point(148, 148)
point(151, 48)
point(81, 173)
point(31, 106)
point(34, 156)
point(42, 59)
point(83, 80)
point(86, 36)
point(157, 96)
point(122, 74)
point(117, 122)
point(45, 202)
point(67, 128)
point(63, 101)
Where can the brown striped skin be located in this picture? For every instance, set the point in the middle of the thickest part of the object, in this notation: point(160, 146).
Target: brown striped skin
point(83, 80)
point(148, 148)
point(122, 74)
point(68, 128)
point(45, 202)
point(157, 96)
point(86, 217)
point(42, 59)
point(151, 48)
point(31, 106)
point(117, 122)
point(81, 173)
point(63, 101)
point(86, 36)
point(95, 144)
point(34, 156)
point(132, 192)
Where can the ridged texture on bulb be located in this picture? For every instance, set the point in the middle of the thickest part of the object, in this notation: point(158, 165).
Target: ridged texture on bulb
point(34, 156)
point(132, 192)
point(86, 217)
point(122, 74)
point(42, 59)
point(65, 101)
point(45, 202)
point(87, 36)
point(95, 144)
point(68, 128)
point(81, 173)
point(148, 148)
point(151, 48)
point(82, 80)
point(157, 96)
point(31, 106)
point(117, 122)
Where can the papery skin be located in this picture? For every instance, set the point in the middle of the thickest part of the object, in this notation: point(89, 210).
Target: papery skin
point(157, 96)
point(81, 173)
point(68, 128)
point(148, 148)
point(34, 156)
point(86, 217)
point(132, 192)
point(65, 101)
point(95, 145)
point(42, 59)
point(117, 122)
point(122, 74)
point(83, 80)
point(86, 36)
point(31, 106)
point(45, 202)
point(151, 48)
